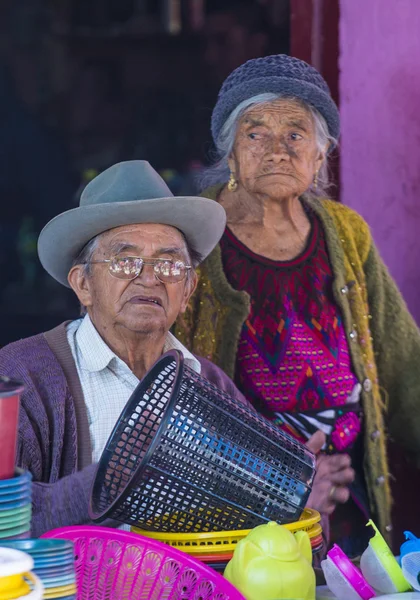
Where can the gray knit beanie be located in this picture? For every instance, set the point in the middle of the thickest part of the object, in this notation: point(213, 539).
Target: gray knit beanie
point(277, 74)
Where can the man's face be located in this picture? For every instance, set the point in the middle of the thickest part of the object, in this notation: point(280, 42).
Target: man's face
point(142, 305)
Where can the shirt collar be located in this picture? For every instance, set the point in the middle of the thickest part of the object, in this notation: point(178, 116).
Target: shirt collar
point(97, 354)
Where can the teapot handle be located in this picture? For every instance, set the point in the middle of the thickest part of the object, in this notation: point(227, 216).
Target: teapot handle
point(304, 544)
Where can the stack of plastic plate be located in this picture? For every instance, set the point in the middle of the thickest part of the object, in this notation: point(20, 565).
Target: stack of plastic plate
point(53, 564)
point(216, 548)
point(16, 506)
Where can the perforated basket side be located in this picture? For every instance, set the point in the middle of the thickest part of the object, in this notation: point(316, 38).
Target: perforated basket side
point(186, 457)
point(135, 436)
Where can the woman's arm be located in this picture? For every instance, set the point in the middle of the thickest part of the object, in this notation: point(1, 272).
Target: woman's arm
point(396, 340)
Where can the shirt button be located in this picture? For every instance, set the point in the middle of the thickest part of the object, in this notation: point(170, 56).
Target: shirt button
point(375, 435)
point(344, 290)
point(380, 480)
point(388, 528)
point(353, 335)
point(367, 385)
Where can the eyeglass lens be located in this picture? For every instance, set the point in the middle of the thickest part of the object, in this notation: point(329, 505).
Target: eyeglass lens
point(130, 267)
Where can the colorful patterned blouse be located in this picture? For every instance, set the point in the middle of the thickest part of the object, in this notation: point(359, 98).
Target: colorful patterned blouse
point(293, 362)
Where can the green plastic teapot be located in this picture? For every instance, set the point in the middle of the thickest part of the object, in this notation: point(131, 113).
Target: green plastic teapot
point(271, 563)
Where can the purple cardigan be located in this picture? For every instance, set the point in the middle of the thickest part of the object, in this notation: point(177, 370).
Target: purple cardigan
point(54, 440)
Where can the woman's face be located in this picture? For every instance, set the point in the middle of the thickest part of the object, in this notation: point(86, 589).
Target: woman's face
point(275, 152)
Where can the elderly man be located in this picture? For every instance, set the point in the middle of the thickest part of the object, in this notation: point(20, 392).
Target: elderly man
point(128, 252)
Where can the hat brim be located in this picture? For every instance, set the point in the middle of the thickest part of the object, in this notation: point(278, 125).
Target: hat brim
point(202, 221)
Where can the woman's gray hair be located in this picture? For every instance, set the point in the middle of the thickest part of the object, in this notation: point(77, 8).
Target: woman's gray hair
point(219, 172)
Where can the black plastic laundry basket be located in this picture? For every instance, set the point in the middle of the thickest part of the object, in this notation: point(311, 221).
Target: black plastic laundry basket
point(185, 456)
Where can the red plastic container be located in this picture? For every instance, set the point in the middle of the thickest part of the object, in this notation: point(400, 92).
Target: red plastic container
point(10, 392)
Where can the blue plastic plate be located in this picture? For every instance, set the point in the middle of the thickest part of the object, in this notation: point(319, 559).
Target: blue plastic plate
point(50, 555)
point(20, 478)
point(66, 554)
point(15, 489)
point(61, 561)
point(34, 546)
point(6, 506)
point(54, 562)
point(16, 496)
point(58, 581)
point(53, 571)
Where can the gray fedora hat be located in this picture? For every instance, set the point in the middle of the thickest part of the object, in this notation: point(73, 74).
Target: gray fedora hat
point(125, 194)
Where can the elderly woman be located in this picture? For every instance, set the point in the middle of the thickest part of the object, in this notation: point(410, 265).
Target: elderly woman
point(129, 253)
point(295, 303)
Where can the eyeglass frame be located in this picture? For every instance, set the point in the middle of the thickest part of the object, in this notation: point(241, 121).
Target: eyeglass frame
point(146, 262)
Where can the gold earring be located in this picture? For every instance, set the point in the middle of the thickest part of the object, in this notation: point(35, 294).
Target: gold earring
point(233, 184)
point(316, 179)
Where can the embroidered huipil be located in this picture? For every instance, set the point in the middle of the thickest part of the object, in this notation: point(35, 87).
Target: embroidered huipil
point(293, 360)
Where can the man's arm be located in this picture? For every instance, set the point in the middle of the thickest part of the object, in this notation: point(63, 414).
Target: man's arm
point(62, 503)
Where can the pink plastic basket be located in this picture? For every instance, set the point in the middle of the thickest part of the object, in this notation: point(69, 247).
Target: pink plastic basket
point(117, 565)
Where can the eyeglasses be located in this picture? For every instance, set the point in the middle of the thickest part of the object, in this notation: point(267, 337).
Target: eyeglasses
point(130, 267)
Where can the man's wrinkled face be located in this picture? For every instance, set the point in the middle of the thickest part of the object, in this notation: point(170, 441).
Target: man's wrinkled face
point(144, 304)
point(275, 152)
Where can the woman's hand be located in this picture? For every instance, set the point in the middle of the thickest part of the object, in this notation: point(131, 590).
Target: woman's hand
point(333, 476)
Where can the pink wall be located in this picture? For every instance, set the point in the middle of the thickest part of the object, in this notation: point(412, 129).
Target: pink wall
point(380, 145)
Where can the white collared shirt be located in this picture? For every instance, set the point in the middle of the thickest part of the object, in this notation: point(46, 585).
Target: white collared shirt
point(107, 381)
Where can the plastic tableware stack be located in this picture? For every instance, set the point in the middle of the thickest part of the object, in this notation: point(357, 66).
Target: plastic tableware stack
point(16, 579)
point(186, 457)
point(53, 564)
point(343, 578)
point(15, 484)
point(117, 564)
point(216, 548)
point(380, 568)
point(16, 506)
point(10, 392)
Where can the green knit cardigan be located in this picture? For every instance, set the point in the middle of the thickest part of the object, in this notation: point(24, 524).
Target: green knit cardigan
point(383, 338)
